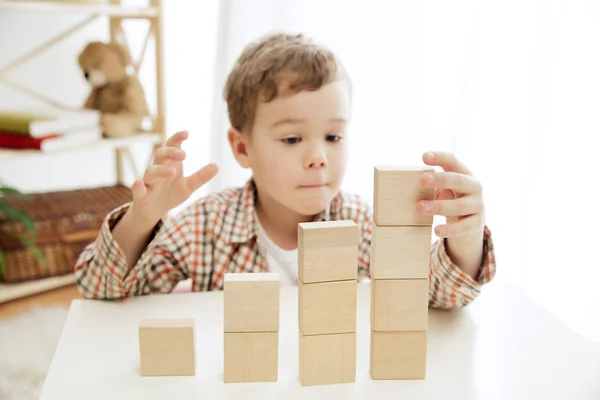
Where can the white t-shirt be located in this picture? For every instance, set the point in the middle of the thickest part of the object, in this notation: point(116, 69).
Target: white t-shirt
point(283, 262)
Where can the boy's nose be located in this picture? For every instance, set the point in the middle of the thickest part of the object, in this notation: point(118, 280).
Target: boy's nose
point(316, 159)
point(317, 164)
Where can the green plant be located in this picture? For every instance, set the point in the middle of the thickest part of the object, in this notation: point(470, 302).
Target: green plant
point(10, 213)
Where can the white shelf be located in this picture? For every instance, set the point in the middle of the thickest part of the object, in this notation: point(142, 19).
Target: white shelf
point(8, 154)
point(13, 291)
point(79, 7)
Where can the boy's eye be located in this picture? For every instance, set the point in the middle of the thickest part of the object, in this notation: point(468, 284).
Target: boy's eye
point(333, 138)
point(291, 140)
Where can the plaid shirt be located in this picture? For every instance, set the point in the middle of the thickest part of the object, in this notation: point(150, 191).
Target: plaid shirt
point(218, 234)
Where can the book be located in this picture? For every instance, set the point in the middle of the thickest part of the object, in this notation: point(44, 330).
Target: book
point(51, 142)
point(39, 124)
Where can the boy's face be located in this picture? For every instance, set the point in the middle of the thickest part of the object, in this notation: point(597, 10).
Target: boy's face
point(298, 147)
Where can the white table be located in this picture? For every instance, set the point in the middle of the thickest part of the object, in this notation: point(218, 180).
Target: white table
point(503, 346)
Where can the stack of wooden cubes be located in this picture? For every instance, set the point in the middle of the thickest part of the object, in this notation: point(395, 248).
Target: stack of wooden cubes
point(400, 258)
point(327, 301)
point(251, 327)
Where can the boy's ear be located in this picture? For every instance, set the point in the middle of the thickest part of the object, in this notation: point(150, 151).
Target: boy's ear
point(238, 144)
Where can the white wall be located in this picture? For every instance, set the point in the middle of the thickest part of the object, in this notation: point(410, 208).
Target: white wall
point(189, 46)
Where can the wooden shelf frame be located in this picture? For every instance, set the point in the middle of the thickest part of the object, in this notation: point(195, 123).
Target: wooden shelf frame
point(116, 13)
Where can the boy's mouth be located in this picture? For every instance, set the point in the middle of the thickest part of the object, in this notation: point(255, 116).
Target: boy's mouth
point(314, 186)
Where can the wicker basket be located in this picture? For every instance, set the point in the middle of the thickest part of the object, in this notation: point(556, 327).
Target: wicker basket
point(65, 223)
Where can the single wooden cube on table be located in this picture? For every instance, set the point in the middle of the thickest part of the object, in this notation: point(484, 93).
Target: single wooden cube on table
point(167, 346)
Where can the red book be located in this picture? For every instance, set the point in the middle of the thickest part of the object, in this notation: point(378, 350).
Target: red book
point(12, 141)
point(47, 143)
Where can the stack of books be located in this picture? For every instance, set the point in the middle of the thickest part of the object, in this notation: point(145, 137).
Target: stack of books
point(48, 131)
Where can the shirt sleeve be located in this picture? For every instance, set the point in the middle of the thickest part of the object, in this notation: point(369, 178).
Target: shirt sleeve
point(102, 272)
point(451, 287)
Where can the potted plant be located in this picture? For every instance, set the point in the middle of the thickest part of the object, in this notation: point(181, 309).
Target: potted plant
point(9, 213)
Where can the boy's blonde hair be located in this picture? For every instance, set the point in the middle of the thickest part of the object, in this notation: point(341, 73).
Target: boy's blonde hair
point(275, 62)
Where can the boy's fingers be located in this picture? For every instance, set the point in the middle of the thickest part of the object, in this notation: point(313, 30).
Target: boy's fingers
point(447, 161)
point(202, 176)
point(138, 189)
point(464, 226)
point(155, 173)
point(451, 180)
point(444, 194)
point(176, 139)
point(165, 154)
point(462, 206)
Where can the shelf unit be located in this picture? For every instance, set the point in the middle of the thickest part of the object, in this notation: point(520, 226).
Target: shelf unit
point(116, 13)
point(14, 291)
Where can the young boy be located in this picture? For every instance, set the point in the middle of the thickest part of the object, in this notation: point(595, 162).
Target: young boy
point(289, 106)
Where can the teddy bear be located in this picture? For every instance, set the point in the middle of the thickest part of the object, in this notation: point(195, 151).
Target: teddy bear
point(117, 95)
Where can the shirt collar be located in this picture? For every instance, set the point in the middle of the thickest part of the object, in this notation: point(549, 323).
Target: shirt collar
point(243, 214)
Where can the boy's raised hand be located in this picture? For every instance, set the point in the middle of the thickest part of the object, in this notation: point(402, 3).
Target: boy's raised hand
point(163, 185)
point(458, 196)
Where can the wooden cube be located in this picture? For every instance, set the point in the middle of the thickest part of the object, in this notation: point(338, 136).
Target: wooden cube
point(327, 307)
point(327, 359)
point(396, 194)
point(167, 347)
point(398, 355)
point(327, 251)
point(400, 252)
point(251, 302)
point(399, 305)
point(251, 356)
